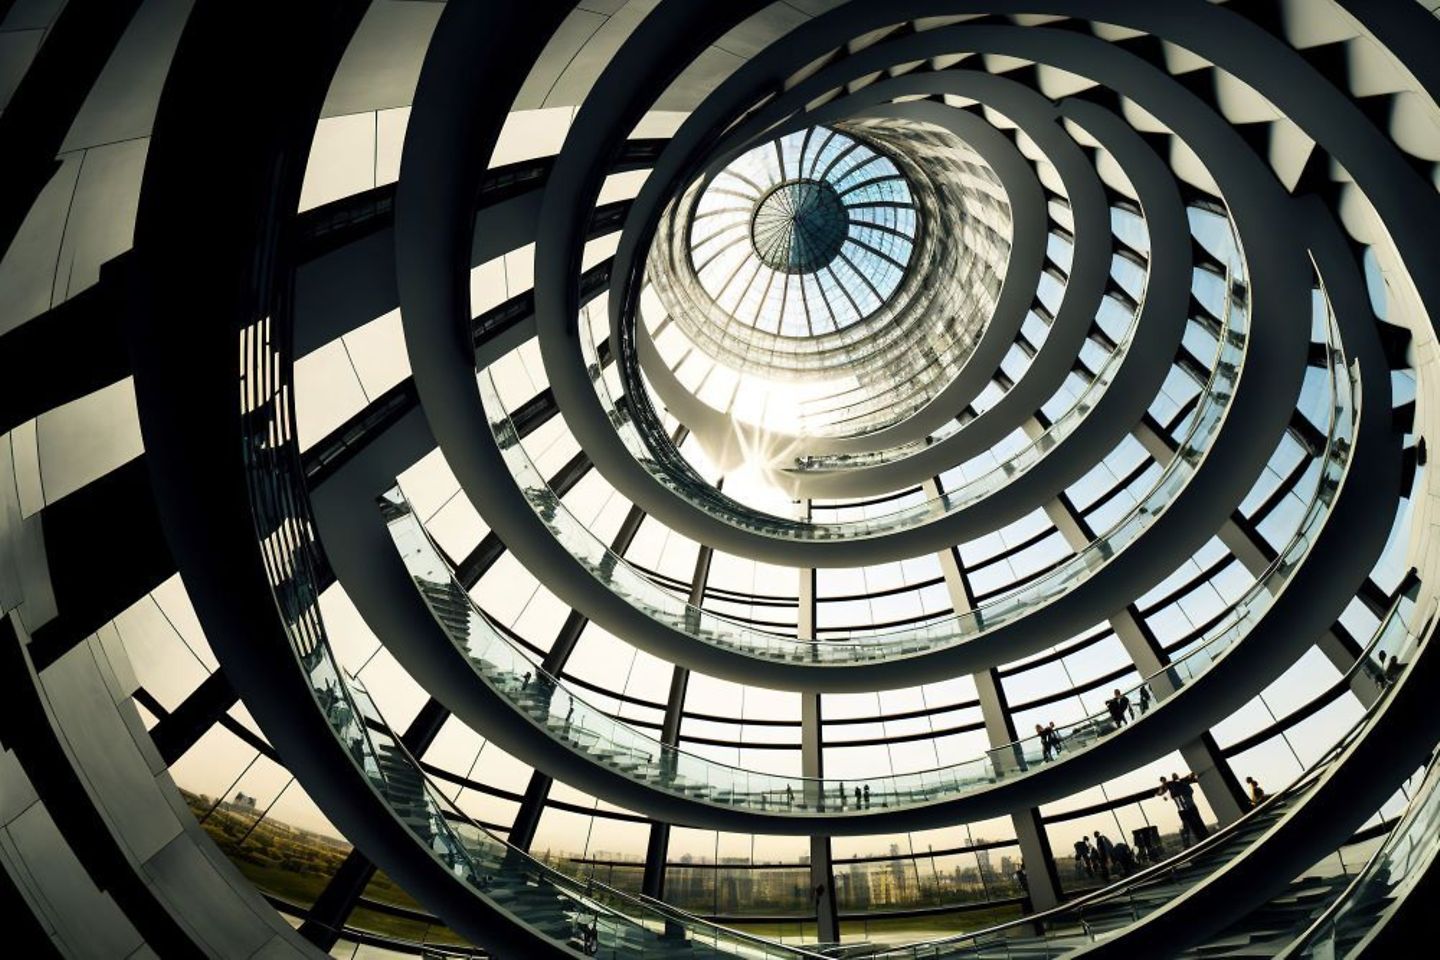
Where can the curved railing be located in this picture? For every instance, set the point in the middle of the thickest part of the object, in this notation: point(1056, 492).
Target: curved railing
point(581, 912)
point(602, 739)
point(837, 462)
point(620, 924)
point(724, 632)
point(1387, 879)
point(1026, 457)
point(654, 451)
point(911, 515)
point(584, 914)
point(945, 315)
point(812, 464)
point(1073, 924)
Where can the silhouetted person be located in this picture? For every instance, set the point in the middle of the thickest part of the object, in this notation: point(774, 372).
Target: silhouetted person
point(1055, 742)
point(789, 795)
point(857, 798)
point(339, 713)
point(1181, 790)
point(1257, 793)
point(669, 763)
point(1147, 843)
point(867, 796)
point(1377, 670)
point(327, 695)
point(590, 937)
point(1144, 699)
point(1184, 796)
point(545, 687)
point(1393, 670)
point(1118, 705)
point(1082, 857)
point(1104, 853)
point(1124, 858)
point(1045, 749)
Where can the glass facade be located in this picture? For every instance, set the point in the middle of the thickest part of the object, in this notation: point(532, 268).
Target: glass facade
point(904, 297)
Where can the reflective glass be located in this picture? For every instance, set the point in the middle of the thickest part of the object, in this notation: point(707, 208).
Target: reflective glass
point(804, 235)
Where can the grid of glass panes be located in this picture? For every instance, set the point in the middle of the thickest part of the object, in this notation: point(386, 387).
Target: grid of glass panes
point(733, 261)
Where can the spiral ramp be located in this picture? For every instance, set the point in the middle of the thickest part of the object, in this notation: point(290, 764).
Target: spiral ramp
point(641, 478)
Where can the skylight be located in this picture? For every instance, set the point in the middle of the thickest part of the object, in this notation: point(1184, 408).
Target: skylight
point(804, 235)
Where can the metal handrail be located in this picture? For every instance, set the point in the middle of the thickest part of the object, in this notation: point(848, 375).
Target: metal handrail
point(1432, 778)
point(1125, 886)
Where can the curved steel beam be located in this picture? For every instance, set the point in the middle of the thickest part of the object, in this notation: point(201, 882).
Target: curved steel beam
point(1264, 401)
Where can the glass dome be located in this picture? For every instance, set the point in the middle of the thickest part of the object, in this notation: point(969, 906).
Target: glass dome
point(804, 235)
point(799, 226)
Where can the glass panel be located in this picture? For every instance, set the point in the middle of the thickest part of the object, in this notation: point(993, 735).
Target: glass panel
point(1063, 929)
point(583, 913)
point(513, 673)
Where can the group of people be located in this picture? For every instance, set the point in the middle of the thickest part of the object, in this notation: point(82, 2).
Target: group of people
point(862, 796)
point(1388, 670)
point(1102, 858)
point(1122, 711)
point(1050, 741)
point(1099, 859)
point(1118, 706)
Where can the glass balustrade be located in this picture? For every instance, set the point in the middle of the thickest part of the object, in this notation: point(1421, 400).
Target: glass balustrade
point(515, 675)
point(1384, 882)
point(721, 631)
point(588, 916)
point(1057, 932)
point(706, 498)
point(853, 413)
point(908, 389)
point(657, 454)
point(582, 912)
point(1021, 461)
point(831, 462)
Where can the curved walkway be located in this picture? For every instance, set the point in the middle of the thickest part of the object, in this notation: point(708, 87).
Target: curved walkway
point(1221, 480)
point(539, 718)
